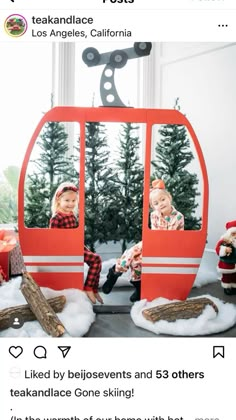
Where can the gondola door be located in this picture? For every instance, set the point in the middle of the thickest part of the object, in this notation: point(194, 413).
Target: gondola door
point(54, 257)
point(171, 258)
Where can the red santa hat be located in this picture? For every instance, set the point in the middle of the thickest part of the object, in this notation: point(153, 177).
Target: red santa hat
point(230, 228)
point(231, 225)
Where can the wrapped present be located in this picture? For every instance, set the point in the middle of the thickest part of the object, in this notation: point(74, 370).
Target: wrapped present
point(11, 259)
point(16, 261)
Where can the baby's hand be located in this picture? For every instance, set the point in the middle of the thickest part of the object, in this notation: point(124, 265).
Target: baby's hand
point(121, 269)
point(120, 266)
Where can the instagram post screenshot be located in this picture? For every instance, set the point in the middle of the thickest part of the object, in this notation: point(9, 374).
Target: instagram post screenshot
point(117, 209)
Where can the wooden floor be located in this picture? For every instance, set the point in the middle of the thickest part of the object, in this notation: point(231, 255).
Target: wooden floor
point(121, 325)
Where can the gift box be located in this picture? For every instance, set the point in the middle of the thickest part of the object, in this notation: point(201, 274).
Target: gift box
point(16, 262)
point(11, 259)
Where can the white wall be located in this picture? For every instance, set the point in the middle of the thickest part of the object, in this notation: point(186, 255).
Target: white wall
point(203, 76)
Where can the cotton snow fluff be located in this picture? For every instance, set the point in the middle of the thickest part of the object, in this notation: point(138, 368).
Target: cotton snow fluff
point(209, 322)
point(77, 315)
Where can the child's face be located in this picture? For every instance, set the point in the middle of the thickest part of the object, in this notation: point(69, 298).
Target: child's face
point(162, 203)
point(67, 201)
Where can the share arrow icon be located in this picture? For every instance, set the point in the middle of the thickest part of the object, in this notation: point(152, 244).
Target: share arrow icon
point(65, 350)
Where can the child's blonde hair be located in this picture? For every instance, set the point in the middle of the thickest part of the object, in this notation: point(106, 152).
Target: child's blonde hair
point(63, 188)
point(158, 186)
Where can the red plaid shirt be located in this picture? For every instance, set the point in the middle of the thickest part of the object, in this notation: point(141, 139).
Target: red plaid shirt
point(63, 221)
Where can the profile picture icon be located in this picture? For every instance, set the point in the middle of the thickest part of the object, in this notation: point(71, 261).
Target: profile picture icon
point(15, 25)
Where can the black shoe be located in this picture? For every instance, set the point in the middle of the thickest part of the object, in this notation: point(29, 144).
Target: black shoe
point(136, 295)
point(112, 277)
point(228, 291)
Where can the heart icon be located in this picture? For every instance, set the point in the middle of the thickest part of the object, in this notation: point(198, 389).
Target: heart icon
point(15, 351)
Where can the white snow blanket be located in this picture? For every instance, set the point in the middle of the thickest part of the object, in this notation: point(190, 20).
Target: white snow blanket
point(77, 315)
point(209, 322)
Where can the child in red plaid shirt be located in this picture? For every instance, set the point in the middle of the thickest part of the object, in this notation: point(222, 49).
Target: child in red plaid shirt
point(63, 217)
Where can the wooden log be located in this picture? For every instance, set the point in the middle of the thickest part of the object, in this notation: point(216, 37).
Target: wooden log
point(39, 305)
point(190, 308)
point(57, 303)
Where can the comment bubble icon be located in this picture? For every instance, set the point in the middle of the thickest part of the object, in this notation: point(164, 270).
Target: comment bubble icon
point(40, 352)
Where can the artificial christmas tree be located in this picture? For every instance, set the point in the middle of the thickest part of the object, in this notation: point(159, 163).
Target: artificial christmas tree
point(50, 169)
point(99, 186)
point(8, 193)
point(129, 180)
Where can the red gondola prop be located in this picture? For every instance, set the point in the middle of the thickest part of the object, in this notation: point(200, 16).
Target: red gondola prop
point(170, 258)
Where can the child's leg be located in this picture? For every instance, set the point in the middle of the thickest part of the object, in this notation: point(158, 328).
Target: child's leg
point(92, 280)
point(136, 269)
point(121, 266)
point(111, 280)
point(115, 272)
point(137, 292)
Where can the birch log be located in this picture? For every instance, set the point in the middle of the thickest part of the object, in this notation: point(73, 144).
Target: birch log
point(187, 309)
point(40, 307)
point(57, 303)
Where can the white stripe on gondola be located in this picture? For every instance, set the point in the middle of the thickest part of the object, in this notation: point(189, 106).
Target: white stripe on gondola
point(170, 260)
point(170, 270)
point(55, 269)
point(53, 258)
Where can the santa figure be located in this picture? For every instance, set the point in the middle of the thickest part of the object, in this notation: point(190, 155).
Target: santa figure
point(226, 249)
